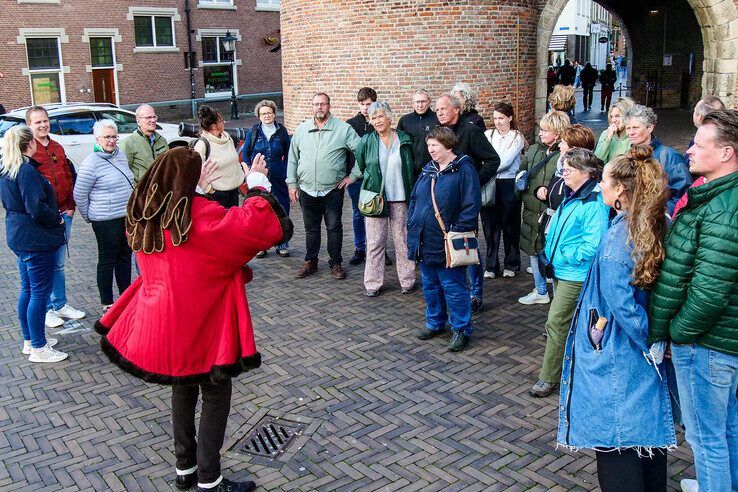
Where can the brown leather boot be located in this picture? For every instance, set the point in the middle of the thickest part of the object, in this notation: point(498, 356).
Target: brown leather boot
point(307, 268)
point(338, 272)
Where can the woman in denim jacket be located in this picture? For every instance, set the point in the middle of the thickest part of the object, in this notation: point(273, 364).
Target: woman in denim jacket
point(614, 394)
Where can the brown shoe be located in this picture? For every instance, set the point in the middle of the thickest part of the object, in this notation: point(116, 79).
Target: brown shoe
point(338, 272)
point(307, 268)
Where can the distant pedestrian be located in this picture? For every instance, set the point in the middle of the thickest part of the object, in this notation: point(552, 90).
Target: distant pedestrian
point(577, 78)
point(450, 185)
point(34, 231)
point(417, 124)
point(551, 80)
point(613, 140)
point(567, 73)
point(469, 100)
point(589, 79)
point(608, 77)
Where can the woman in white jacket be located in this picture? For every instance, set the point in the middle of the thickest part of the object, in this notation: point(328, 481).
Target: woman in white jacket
point(501, 216)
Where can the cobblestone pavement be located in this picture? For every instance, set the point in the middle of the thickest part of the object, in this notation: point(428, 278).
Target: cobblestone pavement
point(382, 410)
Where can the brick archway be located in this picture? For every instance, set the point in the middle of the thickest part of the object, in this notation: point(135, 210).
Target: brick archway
point(718, 22)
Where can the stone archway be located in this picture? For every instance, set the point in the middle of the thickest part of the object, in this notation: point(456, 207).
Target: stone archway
point(718, 22)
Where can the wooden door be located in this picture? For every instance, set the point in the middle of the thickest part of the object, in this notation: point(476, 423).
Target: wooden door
point(103, 85)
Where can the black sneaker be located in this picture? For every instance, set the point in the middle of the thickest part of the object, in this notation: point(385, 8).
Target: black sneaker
point(426, 333)
point(458, 342)
point(226, 485)
point(476, 305)
point(358, 258)
point(184, 482)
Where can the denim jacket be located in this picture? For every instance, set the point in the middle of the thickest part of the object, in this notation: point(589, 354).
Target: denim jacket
point(611, 397)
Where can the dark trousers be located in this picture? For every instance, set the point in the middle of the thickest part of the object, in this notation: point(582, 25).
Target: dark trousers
point(502, 221)
point(205, 451)
point(227, 198)
point(588, 96)
point(113, 257)
point(314, 211)
point(624, 470)
point(358, 220)
point(605, 97)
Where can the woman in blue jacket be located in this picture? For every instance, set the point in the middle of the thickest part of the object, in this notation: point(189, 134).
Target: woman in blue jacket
point(34, 230)
point(613, 399)
point(571, 243)
point(457, 194)
point(271, 140)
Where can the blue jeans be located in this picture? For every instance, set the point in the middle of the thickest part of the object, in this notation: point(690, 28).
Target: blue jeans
point(476, 278)
point(446, 298)
point(36, 273)
point(58, 297)
point(538, 278)
point(358, 219)
point(707, 381)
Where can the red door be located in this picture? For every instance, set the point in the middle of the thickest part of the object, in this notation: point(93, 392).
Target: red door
point(103, 85)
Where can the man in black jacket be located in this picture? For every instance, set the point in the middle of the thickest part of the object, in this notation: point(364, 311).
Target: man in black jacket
point(474, 143)
point(589, 79)
point(567, 73)
point(417, 124)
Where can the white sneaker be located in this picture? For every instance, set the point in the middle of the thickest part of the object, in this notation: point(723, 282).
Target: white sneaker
point(27, 345)
point(46, 354)
point(508, 273)
point(535, 298)
point(489, 274)
point(529, 270)
point(52, 320)
point(69, 312)
point(689, 485)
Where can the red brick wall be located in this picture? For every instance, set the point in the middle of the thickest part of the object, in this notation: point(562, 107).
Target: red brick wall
point(146, 77)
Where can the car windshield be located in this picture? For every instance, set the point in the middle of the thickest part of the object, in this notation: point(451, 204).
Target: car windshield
point(7, 122)
point(126, 122)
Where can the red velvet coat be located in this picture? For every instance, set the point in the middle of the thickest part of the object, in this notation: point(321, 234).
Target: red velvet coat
point(186, 319)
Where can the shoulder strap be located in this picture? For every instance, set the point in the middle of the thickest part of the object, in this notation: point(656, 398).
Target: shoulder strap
point(561, 233)
point(435, 206)
point(116, 168)
point(538, 166)
point(207, 145)
point(254, 137)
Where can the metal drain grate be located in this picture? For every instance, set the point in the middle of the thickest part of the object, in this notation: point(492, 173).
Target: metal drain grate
point(270, 437)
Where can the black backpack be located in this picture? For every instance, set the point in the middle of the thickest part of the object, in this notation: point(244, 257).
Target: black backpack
point(205, 141)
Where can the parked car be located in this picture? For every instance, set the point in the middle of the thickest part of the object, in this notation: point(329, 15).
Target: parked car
point(71, 126)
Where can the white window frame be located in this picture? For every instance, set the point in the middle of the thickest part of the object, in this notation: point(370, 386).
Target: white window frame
point(155, 12)
point(115, 38)
point(35, 33)
point(219, 33)
point(268, 5)
point(216, 5)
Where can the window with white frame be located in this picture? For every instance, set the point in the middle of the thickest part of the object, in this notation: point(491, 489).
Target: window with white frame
point(217, 66)
point(215, 3)
point(267, 5)
point(45, 70)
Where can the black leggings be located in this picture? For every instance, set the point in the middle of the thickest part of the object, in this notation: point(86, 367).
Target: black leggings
point(113, 257)
point(624, 470)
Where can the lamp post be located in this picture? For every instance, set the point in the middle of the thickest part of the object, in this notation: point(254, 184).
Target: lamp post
point(229, 45)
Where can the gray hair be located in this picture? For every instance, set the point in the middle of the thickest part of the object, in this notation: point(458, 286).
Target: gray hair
point(382, 106)
point(707, 104)
point(467, 95)
point(642, 113)
point(99, 125)
point(140, 109)
point(455, 101)
point(584, 160)
point(265, 104)
point(423, 92)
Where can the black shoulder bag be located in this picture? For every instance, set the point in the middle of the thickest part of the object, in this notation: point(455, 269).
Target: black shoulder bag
point(545, 265)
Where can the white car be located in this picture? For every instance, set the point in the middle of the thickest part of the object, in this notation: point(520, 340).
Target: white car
point(71, 126)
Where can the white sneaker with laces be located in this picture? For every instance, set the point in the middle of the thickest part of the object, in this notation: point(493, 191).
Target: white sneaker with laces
point(535, 298)
point(529, 270)
point(27, 345)
point(689, 485)
point(52, 320)
point(489, 274)
point(46, 354)
point(69, 312)
point(508, 273)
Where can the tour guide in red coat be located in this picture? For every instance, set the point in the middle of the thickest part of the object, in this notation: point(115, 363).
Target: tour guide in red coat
point(185, 321)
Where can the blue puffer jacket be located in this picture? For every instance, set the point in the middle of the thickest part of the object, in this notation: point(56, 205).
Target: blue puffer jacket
point(576, 230)
point(611, 397)
point(104, 184)
point(677, 171)
point(459, 199)
point(32, 219)
point(274, 150)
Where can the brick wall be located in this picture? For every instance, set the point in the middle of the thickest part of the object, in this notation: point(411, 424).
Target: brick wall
point(145, 77)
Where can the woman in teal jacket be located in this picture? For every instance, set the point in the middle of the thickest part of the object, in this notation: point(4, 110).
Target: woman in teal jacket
point(571, 243)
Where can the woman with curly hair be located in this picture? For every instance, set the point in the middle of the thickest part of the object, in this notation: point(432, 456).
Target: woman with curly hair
point(613, 399)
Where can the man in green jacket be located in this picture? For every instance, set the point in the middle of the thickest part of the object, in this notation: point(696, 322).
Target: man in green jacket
point(695, 304)
point(316, 176)
point(145, 144)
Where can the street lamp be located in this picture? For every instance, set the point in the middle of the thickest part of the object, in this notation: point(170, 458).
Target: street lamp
point(229, 45)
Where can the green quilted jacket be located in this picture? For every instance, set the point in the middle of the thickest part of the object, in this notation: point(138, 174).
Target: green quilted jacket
point(695, 299)
point(530, 242)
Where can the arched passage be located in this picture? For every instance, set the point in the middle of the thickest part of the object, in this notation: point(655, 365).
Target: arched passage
point(718, 25)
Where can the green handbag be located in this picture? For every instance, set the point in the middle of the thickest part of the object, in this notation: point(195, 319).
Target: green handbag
point(371, 204)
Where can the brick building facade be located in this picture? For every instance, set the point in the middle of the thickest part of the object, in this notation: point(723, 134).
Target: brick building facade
point(135, 51)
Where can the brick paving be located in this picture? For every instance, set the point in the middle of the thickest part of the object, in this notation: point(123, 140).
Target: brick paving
point(384, 411)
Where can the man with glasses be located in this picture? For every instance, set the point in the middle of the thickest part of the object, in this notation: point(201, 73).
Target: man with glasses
point(56, 168)
point(316, 177)
point(417, 124)
point(145, 144)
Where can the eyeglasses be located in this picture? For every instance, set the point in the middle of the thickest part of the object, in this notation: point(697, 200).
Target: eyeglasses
point(150, 118)
point(567, 171)
point(109, 138)
point(267, 113)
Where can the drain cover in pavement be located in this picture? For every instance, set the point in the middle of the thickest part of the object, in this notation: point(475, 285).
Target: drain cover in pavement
point(270, 437)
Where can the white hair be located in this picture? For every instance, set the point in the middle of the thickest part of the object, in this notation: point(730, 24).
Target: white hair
point(140, 109)
point(467, 95)
point(642, 113)
point(382, 106)
point(99, 125)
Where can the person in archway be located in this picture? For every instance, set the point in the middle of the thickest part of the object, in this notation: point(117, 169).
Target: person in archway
point(589, 79)
point(551, 80)
point(567, 73)
point(607, 83)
